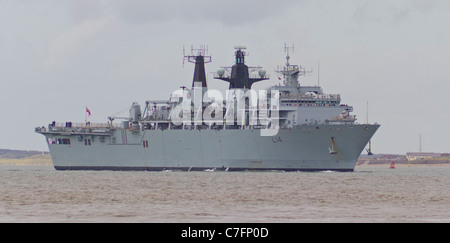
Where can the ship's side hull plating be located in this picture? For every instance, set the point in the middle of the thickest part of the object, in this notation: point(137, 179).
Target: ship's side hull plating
point(304, 148)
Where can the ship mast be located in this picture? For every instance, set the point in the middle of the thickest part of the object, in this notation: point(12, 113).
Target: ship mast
point(291, 72)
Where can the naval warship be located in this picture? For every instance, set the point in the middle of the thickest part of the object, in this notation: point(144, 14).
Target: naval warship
point(288, 127)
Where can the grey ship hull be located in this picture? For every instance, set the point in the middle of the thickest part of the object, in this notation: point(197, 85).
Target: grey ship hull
point(304, 148)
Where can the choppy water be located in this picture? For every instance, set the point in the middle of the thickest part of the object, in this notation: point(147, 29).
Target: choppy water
point(370, 194)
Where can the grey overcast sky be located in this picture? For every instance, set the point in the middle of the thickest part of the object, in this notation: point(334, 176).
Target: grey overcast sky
point(58, 56)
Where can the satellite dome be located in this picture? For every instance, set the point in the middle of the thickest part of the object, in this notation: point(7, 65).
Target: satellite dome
point(220, 72)
point(262, 73)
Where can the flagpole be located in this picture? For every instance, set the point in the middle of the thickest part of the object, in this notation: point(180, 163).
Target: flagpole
point(85, 115)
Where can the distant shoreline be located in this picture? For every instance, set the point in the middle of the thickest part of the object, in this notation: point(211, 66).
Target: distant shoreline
point(48, 162)
point(23, 157)
point(402, 165)
point(405, 159)
point(32, 160)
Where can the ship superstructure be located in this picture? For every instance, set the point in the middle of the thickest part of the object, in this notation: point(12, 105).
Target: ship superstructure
point(286, 127)
point(302, 105)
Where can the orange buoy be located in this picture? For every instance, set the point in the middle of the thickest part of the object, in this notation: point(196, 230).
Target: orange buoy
point(392, 165)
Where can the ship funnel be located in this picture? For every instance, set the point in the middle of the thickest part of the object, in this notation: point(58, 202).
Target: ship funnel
point(198, 56)
point(199, 72)
point(239, 74)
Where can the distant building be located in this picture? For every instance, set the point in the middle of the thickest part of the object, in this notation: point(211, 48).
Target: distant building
point(422, 156)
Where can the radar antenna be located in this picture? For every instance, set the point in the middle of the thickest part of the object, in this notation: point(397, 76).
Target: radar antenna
point(286, 50)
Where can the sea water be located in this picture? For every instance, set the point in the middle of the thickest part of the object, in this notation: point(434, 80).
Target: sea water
point(370, 194)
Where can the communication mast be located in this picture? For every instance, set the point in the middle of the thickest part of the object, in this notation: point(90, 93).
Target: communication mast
point(291, 72)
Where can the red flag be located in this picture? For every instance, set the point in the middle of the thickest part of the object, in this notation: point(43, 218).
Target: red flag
point(88, 111)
